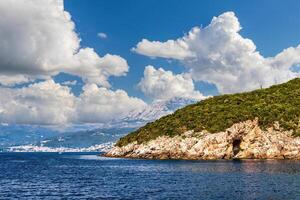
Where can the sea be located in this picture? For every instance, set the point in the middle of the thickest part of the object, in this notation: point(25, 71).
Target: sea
point(90, 176)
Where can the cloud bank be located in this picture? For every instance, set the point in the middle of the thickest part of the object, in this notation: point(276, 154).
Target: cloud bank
point(38, 41)
point(220, 55)
point(49, 103)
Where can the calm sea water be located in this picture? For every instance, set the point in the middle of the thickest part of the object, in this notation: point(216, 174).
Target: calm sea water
point(87, 176)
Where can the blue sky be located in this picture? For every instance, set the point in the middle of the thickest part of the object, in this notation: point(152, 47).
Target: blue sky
point(272, 25)
point(56, 70)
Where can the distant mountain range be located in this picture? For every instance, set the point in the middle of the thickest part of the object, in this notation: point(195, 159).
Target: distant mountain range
point(12, 135)
point(35, 138)
point(85, 139)
point(89, 140)
point(27, 138)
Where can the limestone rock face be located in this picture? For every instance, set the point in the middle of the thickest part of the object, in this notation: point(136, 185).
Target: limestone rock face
point(245, 140)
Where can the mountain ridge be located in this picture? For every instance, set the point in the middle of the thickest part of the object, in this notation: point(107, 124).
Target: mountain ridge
point(157, 109)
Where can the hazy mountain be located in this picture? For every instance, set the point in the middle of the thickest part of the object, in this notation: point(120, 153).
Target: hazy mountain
point(157, 109)
point(84, 139)
point(27, 137)
point(12, 135)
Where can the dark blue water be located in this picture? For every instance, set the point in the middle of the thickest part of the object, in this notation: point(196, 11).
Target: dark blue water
point(86, 176)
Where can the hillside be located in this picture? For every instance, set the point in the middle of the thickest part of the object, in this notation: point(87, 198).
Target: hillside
point(278, 103)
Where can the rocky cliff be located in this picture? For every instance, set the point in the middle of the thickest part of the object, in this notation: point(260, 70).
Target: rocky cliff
point(244, 140)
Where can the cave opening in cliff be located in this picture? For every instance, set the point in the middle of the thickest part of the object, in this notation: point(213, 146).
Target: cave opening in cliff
point(236, 146)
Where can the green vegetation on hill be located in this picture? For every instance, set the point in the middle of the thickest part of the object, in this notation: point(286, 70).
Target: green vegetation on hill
point(278, 103)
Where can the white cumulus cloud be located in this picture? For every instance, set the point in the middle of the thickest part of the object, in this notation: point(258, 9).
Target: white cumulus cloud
point(220, 55)
point(162, 85)
point(49, 103)
point(38, 40)
point(94, 69)
point(39, 103)
point(177, 49)
point(98, 104)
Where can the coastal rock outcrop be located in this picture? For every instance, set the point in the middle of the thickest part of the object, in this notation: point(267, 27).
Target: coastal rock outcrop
point(245, 140)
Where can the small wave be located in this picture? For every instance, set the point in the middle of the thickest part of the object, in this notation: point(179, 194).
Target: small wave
point(95, 157)
point(18, 161)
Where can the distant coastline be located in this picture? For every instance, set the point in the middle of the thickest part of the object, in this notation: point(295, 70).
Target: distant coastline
point(34, 148)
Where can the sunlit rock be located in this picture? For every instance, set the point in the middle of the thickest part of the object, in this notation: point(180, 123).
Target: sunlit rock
point(245, 140)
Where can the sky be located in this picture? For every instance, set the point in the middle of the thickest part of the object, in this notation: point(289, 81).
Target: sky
point(273, 26)
point(93, 61)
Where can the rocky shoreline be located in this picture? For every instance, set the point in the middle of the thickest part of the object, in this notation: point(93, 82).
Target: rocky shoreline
point(245, 140)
